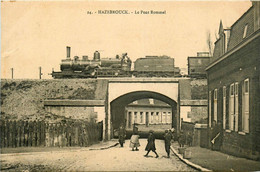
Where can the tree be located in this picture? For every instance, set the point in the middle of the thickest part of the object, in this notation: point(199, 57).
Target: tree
point(209, 43)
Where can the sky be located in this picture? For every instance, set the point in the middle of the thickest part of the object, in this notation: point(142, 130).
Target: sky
point(35, 34)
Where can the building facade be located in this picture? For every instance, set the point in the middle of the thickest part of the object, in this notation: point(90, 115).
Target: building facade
point(193, 100)
point(149, 114)
point(197, 65)
point(233, 85)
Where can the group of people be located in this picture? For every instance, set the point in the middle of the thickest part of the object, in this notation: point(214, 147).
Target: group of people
point(134, 141)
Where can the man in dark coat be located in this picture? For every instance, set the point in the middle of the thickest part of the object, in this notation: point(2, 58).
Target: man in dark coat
point(121, 135)
point(151, 144)
point(167, 141)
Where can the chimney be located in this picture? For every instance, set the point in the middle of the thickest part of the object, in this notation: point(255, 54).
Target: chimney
point(256, 8)
point(68, 52)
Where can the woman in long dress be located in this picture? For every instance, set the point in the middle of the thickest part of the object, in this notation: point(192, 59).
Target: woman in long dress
point(134, 141)
point(151, 144)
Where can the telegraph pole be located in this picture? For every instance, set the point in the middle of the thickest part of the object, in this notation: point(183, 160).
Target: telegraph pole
point(40, 72)
point(12, 71)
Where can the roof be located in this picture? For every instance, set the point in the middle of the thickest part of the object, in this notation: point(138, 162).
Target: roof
point(217, 49)
point(237, 29)
point(149, 102)
point(236, 39)
point(220, 30)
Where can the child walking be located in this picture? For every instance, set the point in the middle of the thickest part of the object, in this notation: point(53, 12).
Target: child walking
point(151, 144)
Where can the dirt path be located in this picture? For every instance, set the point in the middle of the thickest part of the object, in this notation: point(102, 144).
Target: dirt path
point(112, 159)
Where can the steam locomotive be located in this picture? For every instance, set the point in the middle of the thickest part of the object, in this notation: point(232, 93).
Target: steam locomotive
point(120, 66)
point(98, 67)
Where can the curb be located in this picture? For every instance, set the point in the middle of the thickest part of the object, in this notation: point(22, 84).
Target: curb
point(29, 153)
point(103, 148)
point(188, 162)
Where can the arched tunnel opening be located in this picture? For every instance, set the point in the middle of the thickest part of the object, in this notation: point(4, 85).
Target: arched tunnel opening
point(119, 116)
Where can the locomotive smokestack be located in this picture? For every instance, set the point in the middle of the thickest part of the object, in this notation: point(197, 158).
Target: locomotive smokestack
point(68, 52)
point(96, 56)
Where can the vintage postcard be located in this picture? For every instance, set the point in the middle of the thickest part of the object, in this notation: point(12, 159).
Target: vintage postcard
point(130, 85)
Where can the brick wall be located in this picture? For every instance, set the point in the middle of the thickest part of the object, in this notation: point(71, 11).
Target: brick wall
point(236, 68)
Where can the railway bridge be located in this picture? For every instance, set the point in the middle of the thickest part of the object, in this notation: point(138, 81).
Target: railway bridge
point(123, 91)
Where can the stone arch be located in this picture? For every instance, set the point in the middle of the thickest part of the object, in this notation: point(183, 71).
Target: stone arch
point(117, 106)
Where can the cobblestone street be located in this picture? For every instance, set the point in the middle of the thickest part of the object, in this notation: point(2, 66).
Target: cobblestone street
point(84, 159)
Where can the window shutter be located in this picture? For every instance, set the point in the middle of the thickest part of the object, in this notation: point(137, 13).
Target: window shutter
point(220, 105)
point(236, 112)
point(212, 106)
point(209, 108)
point(227, 107)
point(240, 93)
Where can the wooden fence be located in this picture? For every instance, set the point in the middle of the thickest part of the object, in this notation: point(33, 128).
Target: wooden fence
point(41, 133)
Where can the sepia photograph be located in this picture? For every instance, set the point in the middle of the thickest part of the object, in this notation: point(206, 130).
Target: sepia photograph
point(142, 85)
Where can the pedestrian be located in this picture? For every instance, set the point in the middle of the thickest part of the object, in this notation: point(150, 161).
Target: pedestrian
point(134, 141)
point(181, 139)
point(167, 141)
point(121, 135)
point(151, 144)
point(189, 138)
point(172, 131)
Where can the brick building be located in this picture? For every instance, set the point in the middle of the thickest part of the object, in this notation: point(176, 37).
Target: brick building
point(233, 85)
point(198, 64)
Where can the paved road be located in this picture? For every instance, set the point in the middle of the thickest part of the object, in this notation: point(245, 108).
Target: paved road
point(112, 159)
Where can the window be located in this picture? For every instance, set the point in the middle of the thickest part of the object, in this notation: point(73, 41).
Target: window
point(245, 106)
point(129, 119)
point(236, 107)
point(169, 119)
point(135, 117)
point(151, 101)
point(216, 105)
point(164, 118)
point(232, 90)
point(224, 107)
point(209, 109)
point(188, 115)
point(147, 118)
point(157, 117)
point(152, 120)
point(245, 31)
point(231, 107)
point(141, 117)
point(246, 83)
